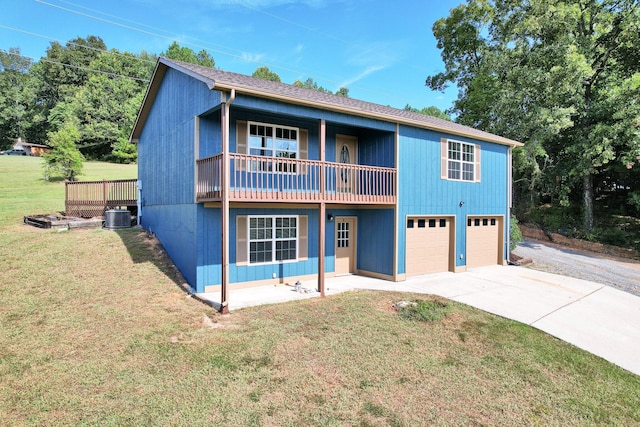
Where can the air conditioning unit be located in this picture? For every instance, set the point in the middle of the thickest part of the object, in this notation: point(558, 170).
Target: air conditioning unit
point(117, 218)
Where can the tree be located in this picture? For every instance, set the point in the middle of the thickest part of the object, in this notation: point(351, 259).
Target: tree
point(266, 74)
point(554, 74)
point(57, 77)
point(432, 111)
point(311, 84)
point(14, 95)
point(107, 105)
point(185, 54)
point(64, 159)
point(343, 91)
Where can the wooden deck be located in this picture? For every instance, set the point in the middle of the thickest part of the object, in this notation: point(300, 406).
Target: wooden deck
point(92, 198)
point(260, 179)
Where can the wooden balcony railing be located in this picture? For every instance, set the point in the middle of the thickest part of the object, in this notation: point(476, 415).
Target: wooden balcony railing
point(87, 199)
point(268, 179)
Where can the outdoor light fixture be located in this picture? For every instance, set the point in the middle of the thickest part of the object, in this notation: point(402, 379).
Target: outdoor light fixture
point(330, 217)
point(461, 203)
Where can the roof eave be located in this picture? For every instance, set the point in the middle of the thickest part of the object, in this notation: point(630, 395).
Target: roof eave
point(370, 114)
point(156, 79)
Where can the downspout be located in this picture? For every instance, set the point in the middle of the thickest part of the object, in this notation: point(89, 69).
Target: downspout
point(224, 297)
point(509, 202)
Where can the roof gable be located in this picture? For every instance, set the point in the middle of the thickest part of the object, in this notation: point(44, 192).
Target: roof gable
point(224, 80)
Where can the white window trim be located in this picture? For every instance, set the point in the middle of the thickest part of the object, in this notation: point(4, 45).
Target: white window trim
point(462, 162)
point(273, 149)
point(273, 239)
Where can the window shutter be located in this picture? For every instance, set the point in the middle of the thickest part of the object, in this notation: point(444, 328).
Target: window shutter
point(241, 143)
point(444, 158)
point(304, 144)
point(476, 172)
point(303, 149)
point(303, 239)
point(241, 137)
point(242, 256)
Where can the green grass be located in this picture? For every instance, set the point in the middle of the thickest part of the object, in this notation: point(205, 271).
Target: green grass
point(95, 330)
point(25, 191)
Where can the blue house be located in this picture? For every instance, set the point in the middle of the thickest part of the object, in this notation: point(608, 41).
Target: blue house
point(249, 182)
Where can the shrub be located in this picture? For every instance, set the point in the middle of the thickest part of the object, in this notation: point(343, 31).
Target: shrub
point(515, 235)
point(65, 159)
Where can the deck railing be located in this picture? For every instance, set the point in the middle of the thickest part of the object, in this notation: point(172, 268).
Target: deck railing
point(259, 178)
point(91, 198)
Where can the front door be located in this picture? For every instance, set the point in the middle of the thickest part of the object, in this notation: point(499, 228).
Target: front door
point(345, 245)
point(347, 153)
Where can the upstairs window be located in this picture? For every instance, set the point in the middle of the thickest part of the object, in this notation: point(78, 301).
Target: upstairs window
point(273, 141)
point(280, 146)
point(460, 161)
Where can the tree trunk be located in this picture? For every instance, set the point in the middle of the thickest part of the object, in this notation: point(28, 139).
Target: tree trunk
point(587, 184)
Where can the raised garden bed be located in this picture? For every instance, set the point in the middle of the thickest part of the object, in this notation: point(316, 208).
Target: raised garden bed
point(48, 221)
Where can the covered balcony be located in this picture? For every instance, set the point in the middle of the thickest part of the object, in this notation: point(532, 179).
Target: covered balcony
point(269, 179)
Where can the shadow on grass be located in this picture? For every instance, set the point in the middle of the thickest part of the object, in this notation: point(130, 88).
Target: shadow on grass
point(146, 248)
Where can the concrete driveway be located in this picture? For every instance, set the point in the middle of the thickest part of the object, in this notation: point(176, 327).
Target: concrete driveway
point(595, 317)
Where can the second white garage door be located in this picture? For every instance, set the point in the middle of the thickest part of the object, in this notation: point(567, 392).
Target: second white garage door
point(429, 245)
point(484, 241)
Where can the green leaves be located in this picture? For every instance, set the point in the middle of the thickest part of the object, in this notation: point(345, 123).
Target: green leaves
point(65, 158)
point(560, 76)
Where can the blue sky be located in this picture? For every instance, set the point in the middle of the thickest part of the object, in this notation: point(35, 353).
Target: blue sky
point(381, 50)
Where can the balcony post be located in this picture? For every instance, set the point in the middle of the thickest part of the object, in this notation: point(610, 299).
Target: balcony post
point(224, 282)
point(322, 208)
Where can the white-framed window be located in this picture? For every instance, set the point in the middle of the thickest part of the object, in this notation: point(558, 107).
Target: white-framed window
point(272, 239)
point(461, 161)
point(279, 142)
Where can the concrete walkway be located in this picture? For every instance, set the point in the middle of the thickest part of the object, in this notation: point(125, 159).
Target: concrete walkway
point(597, 318)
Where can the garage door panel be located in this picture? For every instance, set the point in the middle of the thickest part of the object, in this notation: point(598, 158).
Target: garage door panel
point(484, 241)
point(428, 246)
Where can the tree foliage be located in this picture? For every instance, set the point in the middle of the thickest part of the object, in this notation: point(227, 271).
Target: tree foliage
point(14, 95)
point(432, 111)
point(561, 76)
point(64, 159)
point(266, 74)
point(312, 84)
point(81, 82)
point(107, 105)
point(185, 54)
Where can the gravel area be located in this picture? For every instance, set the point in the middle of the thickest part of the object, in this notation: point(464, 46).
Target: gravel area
point(620, 273)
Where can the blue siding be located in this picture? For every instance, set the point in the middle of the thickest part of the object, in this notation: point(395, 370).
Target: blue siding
point(375, 245)
point(209, 247)
point(210, 135)
point(166, 161)
point(423, 192)
point(375, 240)
point(282, 270)
point(175, 227)
point(375, 147)
point(304, 112)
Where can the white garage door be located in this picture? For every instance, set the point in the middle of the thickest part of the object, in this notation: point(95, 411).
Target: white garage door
point(484, 241)
point(428, 247)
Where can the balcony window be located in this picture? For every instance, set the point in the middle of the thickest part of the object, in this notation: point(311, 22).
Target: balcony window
point(275, 142)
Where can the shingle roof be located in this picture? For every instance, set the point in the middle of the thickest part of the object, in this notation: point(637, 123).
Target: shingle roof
point(225, 80)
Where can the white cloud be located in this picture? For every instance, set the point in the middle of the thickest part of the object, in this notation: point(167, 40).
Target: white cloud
point(253, 57)
point(362, 75)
